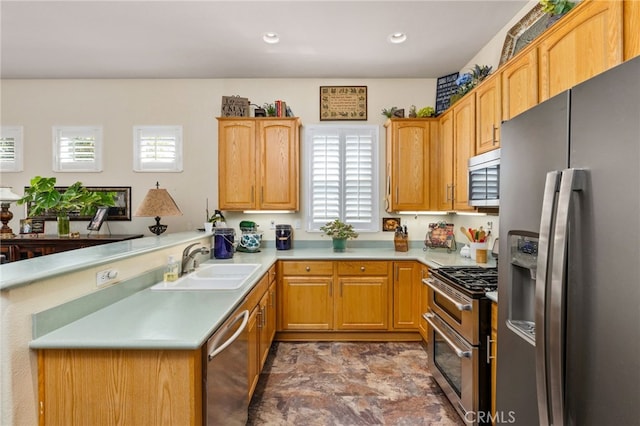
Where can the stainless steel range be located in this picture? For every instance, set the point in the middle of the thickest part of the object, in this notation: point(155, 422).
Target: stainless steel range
point(459, 316)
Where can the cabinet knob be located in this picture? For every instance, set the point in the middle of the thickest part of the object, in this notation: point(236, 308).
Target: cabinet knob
point(362, 268)
point(308, 268)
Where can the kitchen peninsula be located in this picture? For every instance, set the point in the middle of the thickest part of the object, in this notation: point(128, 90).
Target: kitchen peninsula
point(26, 291)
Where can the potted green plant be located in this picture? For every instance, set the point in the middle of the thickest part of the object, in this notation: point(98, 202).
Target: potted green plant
point(271, 109)
point(340, 232)
point(42, 196)
point(556, 7)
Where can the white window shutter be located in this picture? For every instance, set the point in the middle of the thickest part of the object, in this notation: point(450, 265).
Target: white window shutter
point(157, 148)
point(343, 176)
point(11, 149)
point(77, 149)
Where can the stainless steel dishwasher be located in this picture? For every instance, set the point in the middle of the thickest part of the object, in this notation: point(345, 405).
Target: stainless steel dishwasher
point(226, 378)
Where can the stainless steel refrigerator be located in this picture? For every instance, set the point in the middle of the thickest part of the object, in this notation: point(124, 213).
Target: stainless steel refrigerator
point(569, 266)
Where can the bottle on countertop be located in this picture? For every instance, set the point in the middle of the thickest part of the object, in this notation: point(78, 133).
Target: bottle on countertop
point(172, 271)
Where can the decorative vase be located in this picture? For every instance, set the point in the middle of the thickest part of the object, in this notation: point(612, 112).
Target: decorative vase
point(63, 225)
point(339, 244)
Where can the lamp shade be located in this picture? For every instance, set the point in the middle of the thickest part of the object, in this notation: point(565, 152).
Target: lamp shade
point(158, 202)
point(7, 196)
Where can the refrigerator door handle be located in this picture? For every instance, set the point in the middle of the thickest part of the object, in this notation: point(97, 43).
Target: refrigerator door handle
point(542, 272)
point(572, 180)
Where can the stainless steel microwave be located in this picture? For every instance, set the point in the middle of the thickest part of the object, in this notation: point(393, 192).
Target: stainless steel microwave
point(484, 179)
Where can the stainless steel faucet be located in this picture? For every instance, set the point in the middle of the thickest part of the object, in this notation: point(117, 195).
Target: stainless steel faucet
point(188, 256)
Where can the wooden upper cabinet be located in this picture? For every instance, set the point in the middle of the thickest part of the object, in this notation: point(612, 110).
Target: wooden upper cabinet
point(258, 163)
point(631, 29)
point(236, 164)
point(464, 144)
point(586, 42)
point(408, 163)
point(520, 84)
point(442, 178)
point(279, 164)
point(488, 114)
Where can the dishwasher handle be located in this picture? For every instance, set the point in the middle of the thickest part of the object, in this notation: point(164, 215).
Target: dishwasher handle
point(245, 318)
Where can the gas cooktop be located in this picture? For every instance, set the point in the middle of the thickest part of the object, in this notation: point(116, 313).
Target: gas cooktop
point(472, 278)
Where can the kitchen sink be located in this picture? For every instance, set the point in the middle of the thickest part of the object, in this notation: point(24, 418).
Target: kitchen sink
point(212, 277)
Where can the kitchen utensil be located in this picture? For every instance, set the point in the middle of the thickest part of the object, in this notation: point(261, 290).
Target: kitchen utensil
point(466, 233)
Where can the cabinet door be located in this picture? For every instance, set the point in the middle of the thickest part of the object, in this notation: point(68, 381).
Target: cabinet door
point(362, 303)
point(279, 164)
point(631, 29)
point(520, 84)
point(307, 303)
point(488, 114)
point(493, 355)
point(585, 43)
point(236, 164)
point(263, 327)
point(424, 304)
point(406, 298)
point(464, 137)
point(443, 191)
point(271, 317)
point(410, 163)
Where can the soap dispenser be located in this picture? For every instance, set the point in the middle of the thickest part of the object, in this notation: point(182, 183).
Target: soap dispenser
point(172, 271)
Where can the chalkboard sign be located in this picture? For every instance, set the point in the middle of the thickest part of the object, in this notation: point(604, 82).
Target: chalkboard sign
point(446, 87)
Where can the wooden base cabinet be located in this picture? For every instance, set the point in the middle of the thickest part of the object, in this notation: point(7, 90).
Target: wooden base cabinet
point(424, 304)
point(493, 356)
point(334, 296)
point(107, 387)
point(406, 295)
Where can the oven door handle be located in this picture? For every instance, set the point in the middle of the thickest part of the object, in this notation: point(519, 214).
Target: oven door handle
point(458, 351)
point(460, 306)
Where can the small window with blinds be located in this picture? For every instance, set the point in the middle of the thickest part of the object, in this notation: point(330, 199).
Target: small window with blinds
point(157, 148)
point(342, 176)
point(77, 148)
point(11, 148)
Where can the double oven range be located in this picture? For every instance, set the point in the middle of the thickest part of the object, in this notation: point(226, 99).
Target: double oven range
point(459, 317)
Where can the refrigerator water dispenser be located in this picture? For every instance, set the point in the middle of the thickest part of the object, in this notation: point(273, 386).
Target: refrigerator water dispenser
point(523, 255)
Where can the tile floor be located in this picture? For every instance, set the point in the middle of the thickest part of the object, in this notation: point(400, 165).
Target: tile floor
point(349, 383)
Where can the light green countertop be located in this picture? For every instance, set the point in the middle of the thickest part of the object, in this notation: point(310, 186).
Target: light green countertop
point(185, 319)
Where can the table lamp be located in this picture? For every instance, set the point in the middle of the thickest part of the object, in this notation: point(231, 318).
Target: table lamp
point(158, 203)
point(6, 198)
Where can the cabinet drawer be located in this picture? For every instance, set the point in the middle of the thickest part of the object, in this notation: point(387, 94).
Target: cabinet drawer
point(363, 268)
point(307, 268)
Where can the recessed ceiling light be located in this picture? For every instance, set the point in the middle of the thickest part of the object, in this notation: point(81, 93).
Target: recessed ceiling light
point(397, 38)
point(271, 38)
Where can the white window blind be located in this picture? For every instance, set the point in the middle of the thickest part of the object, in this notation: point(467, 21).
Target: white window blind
point(157, 148)
point(342, 176)
point(77, 149)
point(11, 148)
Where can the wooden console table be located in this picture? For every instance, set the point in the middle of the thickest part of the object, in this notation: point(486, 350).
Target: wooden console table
point(25, 247)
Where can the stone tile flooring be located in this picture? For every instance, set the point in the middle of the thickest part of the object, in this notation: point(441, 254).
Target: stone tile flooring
point(349, 383)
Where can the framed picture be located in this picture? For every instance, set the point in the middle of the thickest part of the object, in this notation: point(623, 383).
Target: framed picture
point(98, 218)
point(25, 226)
point(389, 224)
point(121, 210)
point(343, 103)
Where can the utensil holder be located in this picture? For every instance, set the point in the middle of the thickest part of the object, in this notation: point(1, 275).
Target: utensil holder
point(401, 243)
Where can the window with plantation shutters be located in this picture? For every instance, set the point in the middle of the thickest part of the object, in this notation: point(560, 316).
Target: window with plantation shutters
point(342, 176)
point(77, 149)
point(157, 148)
point(11, 159)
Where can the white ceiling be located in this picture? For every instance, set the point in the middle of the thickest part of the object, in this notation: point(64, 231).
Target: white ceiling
point(223, 39)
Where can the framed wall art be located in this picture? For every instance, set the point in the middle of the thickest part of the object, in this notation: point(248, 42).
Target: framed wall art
point(343, 103)
point(121, 211)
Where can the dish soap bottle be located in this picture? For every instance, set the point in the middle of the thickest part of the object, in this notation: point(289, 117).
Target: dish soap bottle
point(172, 271)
